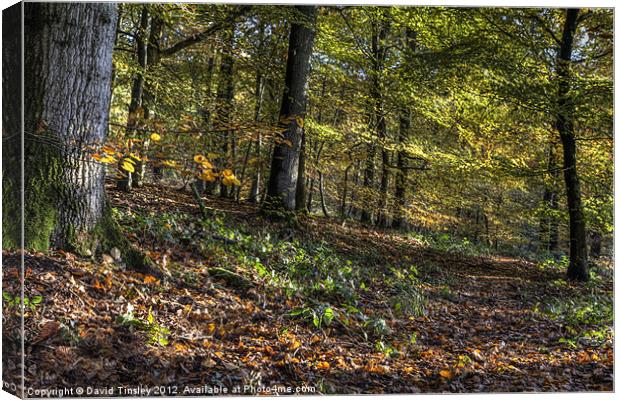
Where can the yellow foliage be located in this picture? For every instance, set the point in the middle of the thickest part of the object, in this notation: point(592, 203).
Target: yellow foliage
point(231, 180)
point(108, 150)
point(127, 166)
point(207, 176)
point(323, 365)
point(199, 158)
point(155, 137)
point(300, 121)
point(206, 164)
point(446, 373)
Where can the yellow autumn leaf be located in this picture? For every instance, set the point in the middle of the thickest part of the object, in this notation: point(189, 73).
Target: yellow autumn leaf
point(128, 167)
point(206, 164)
point(96, 156)
point(227, 173)
point(180, 347)
point(207, 176)
point(446, 373)
point(231, 181)
point(323, 365)
point(169, 163)
point(199, 158)
point(300, 121)
point(227, 181)
point(155, 137)
point(211, 327)
point(108, 150)
point(150, 279)
point(135, 156)
point(107, 160)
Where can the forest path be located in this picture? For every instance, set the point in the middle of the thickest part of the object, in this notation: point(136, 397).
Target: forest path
point(483, 328)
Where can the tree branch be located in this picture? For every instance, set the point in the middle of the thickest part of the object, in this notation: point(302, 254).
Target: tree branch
point(199, 37)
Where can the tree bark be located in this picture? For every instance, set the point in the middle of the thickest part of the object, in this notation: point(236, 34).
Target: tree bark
point(401, 176)
point(549, 224)
point(68, 65)
point(12, 151)
point(377, 123)
point(135, 112)
point(281, 188)
point(578, 267)
point(225, 93)
point(322, 193)
point(259, 91)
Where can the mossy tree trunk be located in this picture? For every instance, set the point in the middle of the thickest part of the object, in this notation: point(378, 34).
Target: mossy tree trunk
point(68, 65)
point(11, 127)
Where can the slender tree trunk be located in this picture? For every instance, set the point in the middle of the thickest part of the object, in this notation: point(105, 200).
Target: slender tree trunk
point(549, 224)
point(259, 90)
point(595, 246)
point(578, 267)
point(68, 65)
point(255, 189)
point(225, 92)
point(377, 122)
point(401, 177)
point(322, 193)
point(126, 179)
point(282, 185)
point(345, 186)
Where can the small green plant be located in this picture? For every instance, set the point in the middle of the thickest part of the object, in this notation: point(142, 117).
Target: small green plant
point(584, 317)
point(387, 349)
point(158, 334)
point(321, 316)
point(14, 301)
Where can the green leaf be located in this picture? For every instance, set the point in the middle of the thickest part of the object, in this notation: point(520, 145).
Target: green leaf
point(37, 299)
point(150, 318)
point(328, 315)
point(316, 320)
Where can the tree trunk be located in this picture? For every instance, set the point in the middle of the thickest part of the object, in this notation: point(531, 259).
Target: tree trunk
point(301, 193)
point(549, 224)
point(345, 185)
point(12, 151)
point(225, 92)
point(282, 185)
point(136, 112)
point(68, 65)
point(377, 122)
point(259, 91)
point(578, 267)
point(322, 193)
point(401, 177)
point(595, 246)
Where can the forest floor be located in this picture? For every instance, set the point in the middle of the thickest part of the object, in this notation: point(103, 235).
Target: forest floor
point(337, 308)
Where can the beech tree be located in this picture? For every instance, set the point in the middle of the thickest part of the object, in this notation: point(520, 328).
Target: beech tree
point(578, 267)
point(282, 185)
point(67, 73)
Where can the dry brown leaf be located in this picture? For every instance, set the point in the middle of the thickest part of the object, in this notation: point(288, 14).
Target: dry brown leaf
point(48, 330)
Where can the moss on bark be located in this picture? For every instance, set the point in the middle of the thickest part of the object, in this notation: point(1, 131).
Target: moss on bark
point(108, 234)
